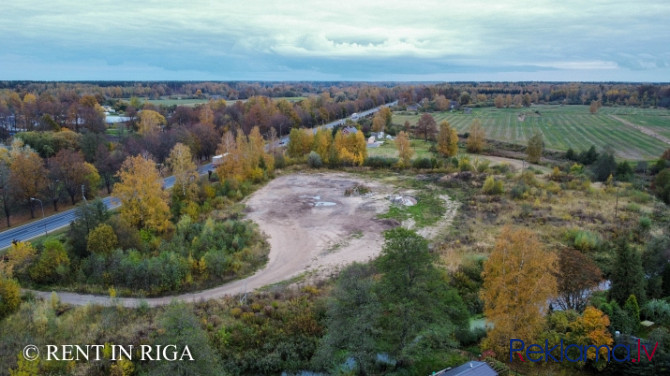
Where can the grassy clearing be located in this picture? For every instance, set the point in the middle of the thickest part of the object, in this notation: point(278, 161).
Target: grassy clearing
point(428, 210)
point(388, 149)
point(564, 127)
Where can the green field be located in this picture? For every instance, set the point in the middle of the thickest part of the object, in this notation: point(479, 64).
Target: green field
point(388, 149)
point(566, 127)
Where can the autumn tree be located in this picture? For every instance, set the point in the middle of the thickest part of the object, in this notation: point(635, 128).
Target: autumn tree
point(593, 324)
point(426, 127)
point(102, 239)
point(476, 141)
point(150, 122)
point(19, 258)
point(518, 282)
point(108, 163)
point(323, 140)
point(350, 148)
point(534, 149)
point(441, 103)
point(245, 158)
point(144, 203)
point(577, 275)
point(184, 170)
point(69, 167)
point(378, 123)
point(447, 140)
point(27, 175)
point(594, 107)
point(52, 264)
point(499, 101)
point(405, 150)
point(10, 295)
point(6, 185)
point(300, 142)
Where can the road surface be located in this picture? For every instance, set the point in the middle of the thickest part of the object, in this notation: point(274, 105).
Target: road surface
point(62, 219)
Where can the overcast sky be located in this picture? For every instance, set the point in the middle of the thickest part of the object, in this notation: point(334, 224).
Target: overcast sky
point(367, 40)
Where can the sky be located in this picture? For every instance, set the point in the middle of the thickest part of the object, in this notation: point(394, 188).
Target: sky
point(343, 40)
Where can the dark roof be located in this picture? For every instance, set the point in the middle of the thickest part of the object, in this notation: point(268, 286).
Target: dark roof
point(469, 369)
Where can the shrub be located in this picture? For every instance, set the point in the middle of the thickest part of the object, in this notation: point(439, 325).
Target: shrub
point(492, 187)
point(464, 164)
point(586, 241)
point(380, 162)
point(314, 160)
point(519, 191)
point(102, 239)
point(422, 163)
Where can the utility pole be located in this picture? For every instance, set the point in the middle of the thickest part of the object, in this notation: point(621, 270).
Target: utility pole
point(32, 199)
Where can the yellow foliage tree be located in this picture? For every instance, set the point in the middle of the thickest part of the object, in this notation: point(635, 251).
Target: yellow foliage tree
point(19, 257)
point(405, 151)
point(150, 121)
point(378, 122)
point(322, 143)
point(592, 325)
point(27, 174)
point(102, 239)
point(447, 140)
point(184, 170)
point(476, 138)
point(245, 157)
point(350, 148)
point(300, 142)
point(140, 190)
point(518, 281)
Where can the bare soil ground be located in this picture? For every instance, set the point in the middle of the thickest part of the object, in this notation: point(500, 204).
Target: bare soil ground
point(313, 229)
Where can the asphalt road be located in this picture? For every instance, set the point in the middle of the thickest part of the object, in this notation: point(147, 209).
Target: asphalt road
point(62, 219)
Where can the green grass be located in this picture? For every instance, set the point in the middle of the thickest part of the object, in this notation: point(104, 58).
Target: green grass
point(565, 127)
point(388, 149)
point(428, 209)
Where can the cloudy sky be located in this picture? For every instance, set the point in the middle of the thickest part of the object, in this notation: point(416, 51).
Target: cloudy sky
point(367, 40)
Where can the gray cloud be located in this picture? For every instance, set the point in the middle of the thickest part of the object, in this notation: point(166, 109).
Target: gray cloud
point(371, 40)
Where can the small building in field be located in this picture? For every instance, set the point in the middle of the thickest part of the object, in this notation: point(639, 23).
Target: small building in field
point(468, 369)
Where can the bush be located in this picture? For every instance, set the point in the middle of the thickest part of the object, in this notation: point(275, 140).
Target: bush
point(586, 241)
point(380, 162)
point(52, 264)
point(519, 191)
point(422, 163)
point(492, 187)
point(314, 160)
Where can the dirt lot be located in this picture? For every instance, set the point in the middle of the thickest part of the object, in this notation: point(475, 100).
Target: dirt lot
point(313, 227)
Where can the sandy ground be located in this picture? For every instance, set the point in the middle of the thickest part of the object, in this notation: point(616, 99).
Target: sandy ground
point(312, 228)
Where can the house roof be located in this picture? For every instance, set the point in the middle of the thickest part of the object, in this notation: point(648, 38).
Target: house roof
point(349, 130)
point(469, 369)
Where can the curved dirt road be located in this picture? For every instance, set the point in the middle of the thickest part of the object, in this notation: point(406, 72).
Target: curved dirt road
point(312, 227)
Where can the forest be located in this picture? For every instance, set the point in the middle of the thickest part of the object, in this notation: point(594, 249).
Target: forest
point(535, 237)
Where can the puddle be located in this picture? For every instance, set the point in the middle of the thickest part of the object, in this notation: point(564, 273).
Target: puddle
point(324, 203)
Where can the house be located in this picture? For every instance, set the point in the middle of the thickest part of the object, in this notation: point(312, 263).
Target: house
point(467, 110)
point(453, 105)
point(349, 129)
point(413, 107)
point(468, 369)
